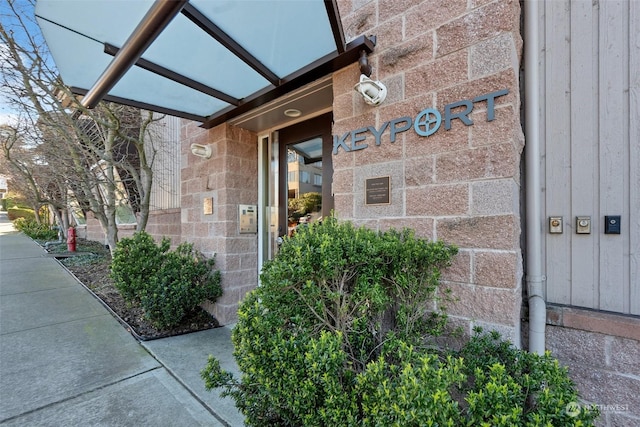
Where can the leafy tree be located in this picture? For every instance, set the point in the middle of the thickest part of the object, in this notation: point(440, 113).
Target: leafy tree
point(24, 163)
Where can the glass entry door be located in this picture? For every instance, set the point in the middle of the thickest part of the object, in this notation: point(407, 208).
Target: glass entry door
point(295, 173)
point(268, 155)
point(305, 192)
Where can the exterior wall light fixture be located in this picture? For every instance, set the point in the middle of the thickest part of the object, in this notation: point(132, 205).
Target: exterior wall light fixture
point(373, 91)
point(200, 150)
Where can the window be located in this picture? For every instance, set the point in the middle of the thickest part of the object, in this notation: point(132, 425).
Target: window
point(163, 146)
point(124, 211)
point(76, 211)
point(308, 198)
point(291, 156)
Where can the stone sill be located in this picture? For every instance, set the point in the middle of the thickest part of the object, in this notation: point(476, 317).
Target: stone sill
point(164, 211)
point(619, 325)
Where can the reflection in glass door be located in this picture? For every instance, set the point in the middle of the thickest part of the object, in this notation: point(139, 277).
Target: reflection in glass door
point(304, 183)
point(294, 181)
point(307, 171)
point(268, 172)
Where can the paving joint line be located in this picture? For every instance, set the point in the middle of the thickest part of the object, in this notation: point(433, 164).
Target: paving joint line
point(78, 395)
point(186, 387)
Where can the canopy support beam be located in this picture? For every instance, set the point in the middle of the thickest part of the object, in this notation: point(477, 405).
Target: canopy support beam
point(155, 20)
point(336, 25)
point(178, 78)
point(318, 69)
point(195, 16)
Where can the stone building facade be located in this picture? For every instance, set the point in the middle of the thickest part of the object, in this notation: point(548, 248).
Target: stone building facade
point(451, 138)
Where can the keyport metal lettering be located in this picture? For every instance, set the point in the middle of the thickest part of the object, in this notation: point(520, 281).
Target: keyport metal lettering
point(425, 123)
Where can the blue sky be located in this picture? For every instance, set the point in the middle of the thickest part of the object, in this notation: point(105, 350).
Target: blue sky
point(9, 22)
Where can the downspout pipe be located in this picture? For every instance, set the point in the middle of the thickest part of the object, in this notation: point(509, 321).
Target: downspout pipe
point(149, 28)
point(534, 221)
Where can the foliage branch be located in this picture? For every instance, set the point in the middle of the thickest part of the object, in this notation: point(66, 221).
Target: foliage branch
point(168, 284)
point(342, 332)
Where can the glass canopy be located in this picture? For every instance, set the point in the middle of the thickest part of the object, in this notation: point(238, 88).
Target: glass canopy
point(213, 60)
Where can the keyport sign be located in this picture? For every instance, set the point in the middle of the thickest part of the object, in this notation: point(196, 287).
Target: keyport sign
point(425, 123)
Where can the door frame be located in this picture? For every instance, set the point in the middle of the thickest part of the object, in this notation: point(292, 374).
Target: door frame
point(319, 126)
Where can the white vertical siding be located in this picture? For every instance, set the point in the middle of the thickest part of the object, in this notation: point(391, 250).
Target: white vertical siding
point(634, 157)
point(613, 46)
point(557, 133)
point(583, 199)
point(164, 146)
point(591, 100)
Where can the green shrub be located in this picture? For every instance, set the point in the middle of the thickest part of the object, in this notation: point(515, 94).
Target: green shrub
point(415, 390)
point(184, 281)
point(136, 261)
point(16, 212)
point(366, 285)
point(13, 200)
point(22, 223)
point(340, 333)
point(507, 386)
point(36, 231)
point(168, 285)
point(367, 290)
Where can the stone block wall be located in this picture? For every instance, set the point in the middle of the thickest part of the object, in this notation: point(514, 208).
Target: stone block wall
point(92, 230)
point(165, 223)
point(225, 180)
point(162, 223)
point(602, 352)
point(460, 185)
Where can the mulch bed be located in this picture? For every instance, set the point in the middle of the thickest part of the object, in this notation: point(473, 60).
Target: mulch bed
point(90, 264)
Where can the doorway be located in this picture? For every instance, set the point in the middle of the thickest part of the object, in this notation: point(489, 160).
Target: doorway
point(295, 179)
point(305, 194)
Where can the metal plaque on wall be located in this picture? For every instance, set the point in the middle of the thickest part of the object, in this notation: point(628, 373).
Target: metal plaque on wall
point(207, 206)
point(378, 191)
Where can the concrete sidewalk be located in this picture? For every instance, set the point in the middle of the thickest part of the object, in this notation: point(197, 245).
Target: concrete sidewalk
point(66, 361)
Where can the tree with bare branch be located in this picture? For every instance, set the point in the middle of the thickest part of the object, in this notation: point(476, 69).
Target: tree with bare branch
point(99, 159)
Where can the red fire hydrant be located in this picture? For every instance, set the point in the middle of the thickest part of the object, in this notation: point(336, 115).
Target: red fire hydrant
point(71, 239)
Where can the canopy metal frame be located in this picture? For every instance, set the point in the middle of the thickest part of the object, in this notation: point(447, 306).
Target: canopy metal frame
point(162, 12)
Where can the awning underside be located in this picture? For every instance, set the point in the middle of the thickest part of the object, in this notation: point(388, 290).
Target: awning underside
point(214, 60)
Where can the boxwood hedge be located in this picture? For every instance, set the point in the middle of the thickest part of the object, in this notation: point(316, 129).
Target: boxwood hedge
point(341, 333)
